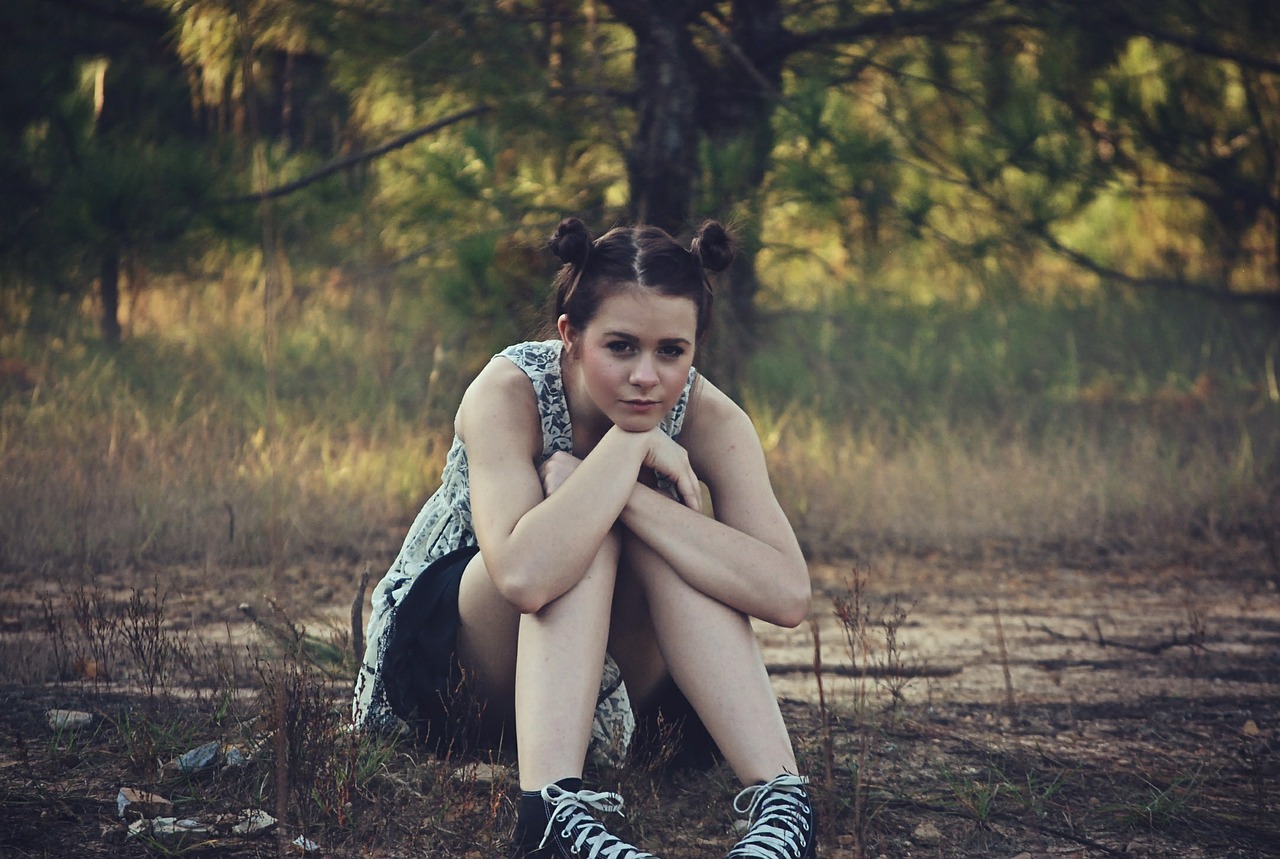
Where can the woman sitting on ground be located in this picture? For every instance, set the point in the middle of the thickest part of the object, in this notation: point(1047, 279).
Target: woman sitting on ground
point(567, 544)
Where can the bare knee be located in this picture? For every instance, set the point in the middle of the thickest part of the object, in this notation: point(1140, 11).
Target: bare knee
point(590, 594)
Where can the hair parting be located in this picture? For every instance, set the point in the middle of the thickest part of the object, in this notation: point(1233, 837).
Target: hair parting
point(638, 257)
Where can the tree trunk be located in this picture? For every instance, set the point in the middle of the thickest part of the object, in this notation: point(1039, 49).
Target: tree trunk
point(662, 163)
point(109, 290)
point(682, 95)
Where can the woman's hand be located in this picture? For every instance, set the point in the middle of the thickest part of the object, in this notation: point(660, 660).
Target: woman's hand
point(555, 470)
point(671, 461)
point(663, 457)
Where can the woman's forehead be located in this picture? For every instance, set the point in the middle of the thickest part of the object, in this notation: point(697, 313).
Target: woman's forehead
point(644, 309)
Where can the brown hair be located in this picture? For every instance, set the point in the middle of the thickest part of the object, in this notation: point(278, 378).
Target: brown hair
point(630, 257)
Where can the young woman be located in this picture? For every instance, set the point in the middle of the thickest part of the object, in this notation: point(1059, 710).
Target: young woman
point(568, 543)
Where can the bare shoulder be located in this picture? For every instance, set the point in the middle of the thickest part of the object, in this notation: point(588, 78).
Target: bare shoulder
point(717, 430)
point(499, 404)
point(727, 456)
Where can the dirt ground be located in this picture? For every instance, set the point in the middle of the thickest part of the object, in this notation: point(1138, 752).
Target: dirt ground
point(995, 706)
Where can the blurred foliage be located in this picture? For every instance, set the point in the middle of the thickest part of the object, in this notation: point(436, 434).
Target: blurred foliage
point(907, 149)
point(323, 217)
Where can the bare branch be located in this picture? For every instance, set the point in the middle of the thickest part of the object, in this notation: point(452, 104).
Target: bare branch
point(1088, 263)
point(931, 21)
point(349, 161)
point(1206, 47)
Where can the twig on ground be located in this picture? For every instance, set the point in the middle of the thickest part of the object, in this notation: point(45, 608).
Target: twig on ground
point(357, 616)
point(867, 670)
point(1154, 649)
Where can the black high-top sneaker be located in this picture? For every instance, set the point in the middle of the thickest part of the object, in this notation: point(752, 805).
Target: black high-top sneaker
point(781, 819)
point(571, 831)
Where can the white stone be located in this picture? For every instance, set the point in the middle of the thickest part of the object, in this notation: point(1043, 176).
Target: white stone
point(253, 821)
point(67, 719)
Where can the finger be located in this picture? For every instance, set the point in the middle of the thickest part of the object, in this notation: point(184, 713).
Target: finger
point(690, 492)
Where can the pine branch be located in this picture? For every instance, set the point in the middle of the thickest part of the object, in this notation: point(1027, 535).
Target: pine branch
point(349, 161)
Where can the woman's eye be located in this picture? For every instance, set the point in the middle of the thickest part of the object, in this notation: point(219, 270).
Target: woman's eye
point(619, 346)
point(672, 351)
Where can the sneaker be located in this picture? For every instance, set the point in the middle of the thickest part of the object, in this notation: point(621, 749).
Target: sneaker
point(573, 832)
point(781, 821)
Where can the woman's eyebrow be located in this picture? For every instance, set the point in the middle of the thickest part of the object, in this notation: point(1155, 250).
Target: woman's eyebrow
point(665, 341)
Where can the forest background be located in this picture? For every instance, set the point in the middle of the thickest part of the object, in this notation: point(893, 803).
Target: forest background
point(1010, 271)
point(1006, 317)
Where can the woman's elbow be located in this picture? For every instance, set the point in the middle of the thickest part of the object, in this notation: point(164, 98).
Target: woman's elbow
point(525, 593)
point(526, 602)
point(794, 606)
point(794, 613)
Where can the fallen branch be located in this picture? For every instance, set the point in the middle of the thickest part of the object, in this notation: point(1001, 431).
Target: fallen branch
point(1155, 649)
point(865, 671)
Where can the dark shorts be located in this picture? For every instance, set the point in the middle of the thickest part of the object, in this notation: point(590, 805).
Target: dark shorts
point(425, 687)
point(420, 670)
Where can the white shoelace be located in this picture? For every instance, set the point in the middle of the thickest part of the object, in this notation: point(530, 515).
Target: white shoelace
point(572, 815)
point(778, 812)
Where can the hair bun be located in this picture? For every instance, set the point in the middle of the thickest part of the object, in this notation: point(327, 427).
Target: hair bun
point(713, 246)
point(571, 241)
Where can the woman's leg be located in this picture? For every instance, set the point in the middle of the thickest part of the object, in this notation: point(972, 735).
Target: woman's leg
point(542, 669)
point(714, 657)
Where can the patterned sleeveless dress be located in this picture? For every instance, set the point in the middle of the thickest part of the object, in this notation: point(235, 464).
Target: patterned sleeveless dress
point(444, 525)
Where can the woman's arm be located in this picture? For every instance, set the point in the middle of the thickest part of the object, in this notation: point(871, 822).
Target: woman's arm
point(537, 546)
point(747, 556)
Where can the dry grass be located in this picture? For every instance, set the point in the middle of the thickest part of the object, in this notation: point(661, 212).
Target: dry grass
point(203, 440)
point(96, 474)
point(852, 490)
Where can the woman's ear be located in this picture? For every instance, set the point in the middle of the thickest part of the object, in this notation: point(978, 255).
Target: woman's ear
point(568, 335)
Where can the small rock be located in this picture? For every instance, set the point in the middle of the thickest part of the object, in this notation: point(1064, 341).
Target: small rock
point(61, 720)
point(927, 833)
point(1250, 729)
point(140, 803)
point(168, 827)
point(305, 845)
point(235, 757)
point(485, 774)
point(253, 821)
point(200, 758)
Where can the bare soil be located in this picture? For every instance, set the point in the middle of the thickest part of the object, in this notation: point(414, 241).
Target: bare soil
point(995, 706)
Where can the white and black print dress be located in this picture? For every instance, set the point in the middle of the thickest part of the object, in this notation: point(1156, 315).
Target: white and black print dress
point(444, 524)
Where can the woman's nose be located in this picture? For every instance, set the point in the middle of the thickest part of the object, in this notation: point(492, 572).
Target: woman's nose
point(643, 373)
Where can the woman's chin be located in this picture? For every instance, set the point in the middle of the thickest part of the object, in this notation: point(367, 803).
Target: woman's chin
point(631, 422)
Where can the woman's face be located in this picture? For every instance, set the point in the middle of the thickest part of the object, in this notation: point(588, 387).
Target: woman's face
point(634, 355)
